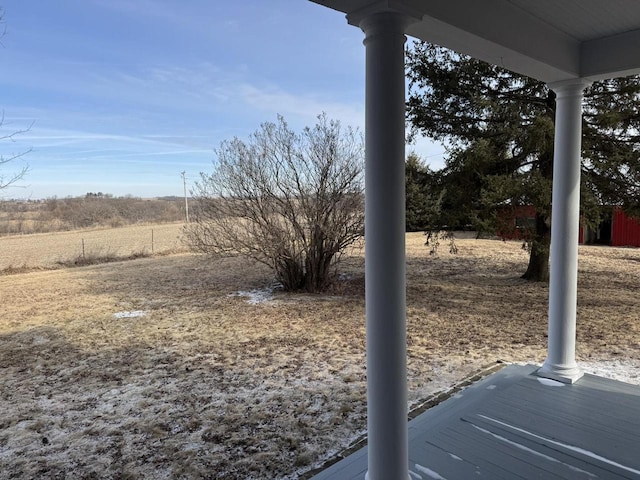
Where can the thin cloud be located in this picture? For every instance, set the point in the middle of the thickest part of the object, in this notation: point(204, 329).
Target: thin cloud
point(179, 78)
point(70, 137)
point(306, 107)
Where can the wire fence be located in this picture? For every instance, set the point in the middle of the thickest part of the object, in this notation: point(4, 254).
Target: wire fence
point(89, 246)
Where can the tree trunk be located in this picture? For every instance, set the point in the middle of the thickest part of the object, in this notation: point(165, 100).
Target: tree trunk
point(538, 269)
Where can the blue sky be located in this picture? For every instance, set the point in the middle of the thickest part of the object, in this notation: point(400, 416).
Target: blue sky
point(123, 95)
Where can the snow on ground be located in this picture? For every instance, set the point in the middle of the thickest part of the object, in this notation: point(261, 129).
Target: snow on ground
point(257, 296)
point(259, 383)
point(130, 314)
point(624, 370)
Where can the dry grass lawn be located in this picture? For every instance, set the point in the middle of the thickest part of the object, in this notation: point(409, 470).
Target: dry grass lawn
point(206, 385)
point(49, 250)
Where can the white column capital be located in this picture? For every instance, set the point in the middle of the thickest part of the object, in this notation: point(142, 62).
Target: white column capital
point(384, 15)
point(569, 88)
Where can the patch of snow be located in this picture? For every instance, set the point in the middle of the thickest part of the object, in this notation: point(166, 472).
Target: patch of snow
point(491, 387)
point(527, 449)
point(130, 314)
point(598, 457)
point(567, 446)
point(257, 296)
point(550, 383)
point(40, 340)
point(415, 475)
point(624, 370)
point(429, 472)
point(455, 457)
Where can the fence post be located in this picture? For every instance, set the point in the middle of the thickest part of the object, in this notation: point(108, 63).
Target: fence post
point(83, 257)
point(152, 241)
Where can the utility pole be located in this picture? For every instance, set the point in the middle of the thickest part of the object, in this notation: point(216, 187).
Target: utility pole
point(186, 201)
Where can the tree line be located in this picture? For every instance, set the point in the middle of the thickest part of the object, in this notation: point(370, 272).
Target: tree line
point(91, 210)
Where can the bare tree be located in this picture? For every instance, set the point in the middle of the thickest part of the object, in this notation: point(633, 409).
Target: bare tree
point(293, 202)
point(9, 179)
point(6, 180)
point(3, 26)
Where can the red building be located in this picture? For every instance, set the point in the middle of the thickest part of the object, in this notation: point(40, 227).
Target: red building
point(514, 223)
point(616, 230)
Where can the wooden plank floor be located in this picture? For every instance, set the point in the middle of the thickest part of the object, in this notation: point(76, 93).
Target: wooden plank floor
point(515, 425)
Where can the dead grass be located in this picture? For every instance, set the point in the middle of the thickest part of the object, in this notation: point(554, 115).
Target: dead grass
point(21, 253)
point(206, 385)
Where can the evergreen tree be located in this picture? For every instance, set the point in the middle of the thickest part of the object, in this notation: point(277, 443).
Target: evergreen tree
point(498, 127)
point(422, 207)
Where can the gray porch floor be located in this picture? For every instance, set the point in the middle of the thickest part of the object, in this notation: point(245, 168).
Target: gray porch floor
point(515, 425)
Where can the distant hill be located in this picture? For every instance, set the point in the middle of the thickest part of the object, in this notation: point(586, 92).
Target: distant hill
point(92, 210)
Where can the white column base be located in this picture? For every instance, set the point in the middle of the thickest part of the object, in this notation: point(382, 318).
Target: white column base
point(366, 476)
point(560, 373)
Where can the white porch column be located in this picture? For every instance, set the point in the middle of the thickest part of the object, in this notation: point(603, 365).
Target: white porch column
point(385, 244)
point(565, 219)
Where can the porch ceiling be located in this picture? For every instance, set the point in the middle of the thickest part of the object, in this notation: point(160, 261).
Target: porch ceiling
point(549, 40)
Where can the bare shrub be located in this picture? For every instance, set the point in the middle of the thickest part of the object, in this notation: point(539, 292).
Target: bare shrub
point(291, 201)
